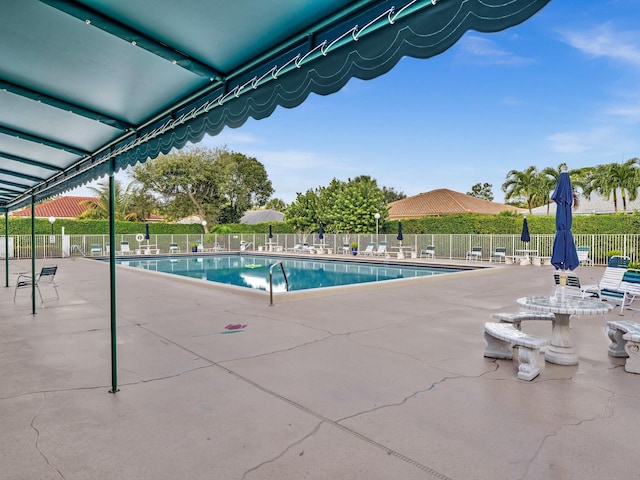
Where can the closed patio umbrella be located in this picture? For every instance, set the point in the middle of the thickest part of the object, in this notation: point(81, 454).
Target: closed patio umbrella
point(270, 232)
point(564, 256)
point(146, 231)
point(400, 237)
point(320, 231)
point(524, 236)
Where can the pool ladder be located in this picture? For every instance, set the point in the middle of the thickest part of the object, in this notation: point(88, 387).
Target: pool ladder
point(286, 281)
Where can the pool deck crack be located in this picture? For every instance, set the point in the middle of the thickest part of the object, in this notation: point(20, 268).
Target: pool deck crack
point(37, 432)
point(607, 411)
point(313, 413)
point(284, 452)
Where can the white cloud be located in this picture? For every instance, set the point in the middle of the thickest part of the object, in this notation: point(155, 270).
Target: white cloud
point(630, 112)
point(579, 141)
point(605, 42)
point(480, 50)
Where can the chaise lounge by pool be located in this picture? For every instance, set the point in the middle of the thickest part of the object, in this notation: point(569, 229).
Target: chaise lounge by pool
point(253, 271)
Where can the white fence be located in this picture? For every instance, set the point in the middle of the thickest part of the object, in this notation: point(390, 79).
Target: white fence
point(454, 247)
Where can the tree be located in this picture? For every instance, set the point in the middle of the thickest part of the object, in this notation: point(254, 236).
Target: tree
point(142, 203)
point(244, 184)
point(100, 210)
point(303, 211)
point(276, 204)
point(390, 195)
point(350, 207)
point(482, 191)
point(217, 185)
point(523, 186)
point(548, 181)
point(625, 178)
point(607, 180)
point(342, 207)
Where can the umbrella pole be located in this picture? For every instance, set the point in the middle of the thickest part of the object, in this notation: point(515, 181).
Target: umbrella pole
point(562, 283)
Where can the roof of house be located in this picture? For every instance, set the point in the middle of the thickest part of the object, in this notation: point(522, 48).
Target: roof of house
point(190, 220)
point(596, 205)
point(444, 202)
point(262, 216)
point(61, 207)
point(64, 207)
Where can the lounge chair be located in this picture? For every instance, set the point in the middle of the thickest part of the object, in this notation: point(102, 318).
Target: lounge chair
point(95, 249)
point(611, 278)
point(346, 248)
point(572, 287)
point(369, 250)
point(299, 248)
point(46, 276)
point(475, 254)
point(428, 252)
point(583, 255)
point(217, 248)
point(124, 249)
point(629, 289)
point(382, 250)
point(174, 248)
point(499, 255)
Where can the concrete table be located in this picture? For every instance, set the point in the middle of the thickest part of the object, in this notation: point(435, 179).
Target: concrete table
point(561, 351)
point(525, 254)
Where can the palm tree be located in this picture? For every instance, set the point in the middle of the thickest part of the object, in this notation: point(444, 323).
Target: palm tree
point(607, 179)
point(548, 181)
point(525, 185)
point(100, 209)
point(625, 178)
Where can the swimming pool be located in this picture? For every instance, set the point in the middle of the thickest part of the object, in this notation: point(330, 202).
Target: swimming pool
point(252, 272)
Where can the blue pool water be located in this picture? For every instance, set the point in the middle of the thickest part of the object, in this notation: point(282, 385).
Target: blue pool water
point(303, 274)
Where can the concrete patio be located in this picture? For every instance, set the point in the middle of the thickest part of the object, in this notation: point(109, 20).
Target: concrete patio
point(384, 383)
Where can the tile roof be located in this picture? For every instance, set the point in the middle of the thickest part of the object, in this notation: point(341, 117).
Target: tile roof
point(64, 207)
point(444, 202)
point(262, 216)
point(61, 207)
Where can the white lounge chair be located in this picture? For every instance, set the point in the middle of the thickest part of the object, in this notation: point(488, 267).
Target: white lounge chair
point(217, 248)
point(583, 255)
point(475, 254)
point(174, 248)
point(95, 249)
point(428, 252)
point(299, 248)
point(382, 250)
point(572, 287)
point(628, 292)
point(611, 278)
point(369, 250)
point(124, 249)
point(499, 255)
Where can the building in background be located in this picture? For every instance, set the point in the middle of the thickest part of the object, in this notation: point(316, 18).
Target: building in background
point(442, 201)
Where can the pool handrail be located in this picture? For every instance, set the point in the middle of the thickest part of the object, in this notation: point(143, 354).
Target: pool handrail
point(286, 281)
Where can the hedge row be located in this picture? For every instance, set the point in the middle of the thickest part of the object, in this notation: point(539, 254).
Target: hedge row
point(22, 226)
point(453, 224)
point(509, 224)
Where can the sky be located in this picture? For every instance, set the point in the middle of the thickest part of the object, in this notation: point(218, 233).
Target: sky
point(563, 86)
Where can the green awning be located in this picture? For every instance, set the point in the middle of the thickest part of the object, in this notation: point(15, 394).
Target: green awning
point(84, 83)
